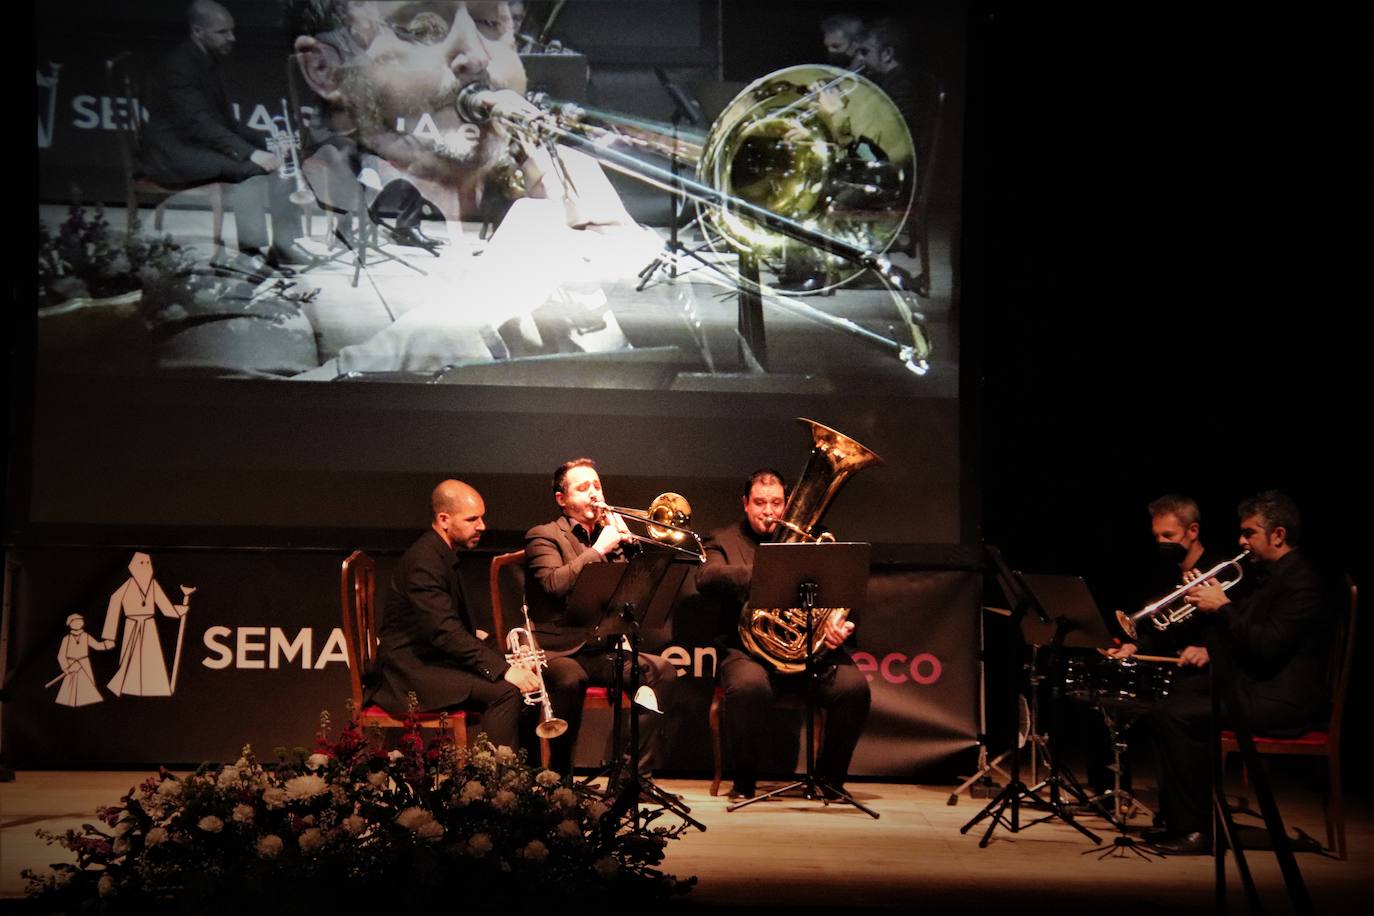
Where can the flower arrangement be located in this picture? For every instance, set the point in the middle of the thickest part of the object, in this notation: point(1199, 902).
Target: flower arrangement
point(85, 258)
point(351, 825)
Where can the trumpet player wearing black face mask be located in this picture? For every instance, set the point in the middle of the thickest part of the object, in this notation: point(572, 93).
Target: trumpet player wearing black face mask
point(1277, 639)
point(1175, 524)
point(555, 555)
point(750, 688)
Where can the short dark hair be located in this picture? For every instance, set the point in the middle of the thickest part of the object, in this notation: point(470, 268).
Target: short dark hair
point(313, 17)
point(1275, 510)
point(560, 476)
point(764, 475)
point(889, 33)
point(1184, 508)
point(851, 26)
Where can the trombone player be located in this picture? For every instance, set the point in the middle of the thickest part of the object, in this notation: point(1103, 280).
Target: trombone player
point(585, 533)
point(1277, 638)
point(750, 688)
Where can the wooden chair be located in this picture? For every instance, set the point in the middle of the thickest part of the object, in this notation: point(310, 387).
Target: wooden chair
point(121, 83)
point(507, 583)
point(358, 588)
point(1322, 743)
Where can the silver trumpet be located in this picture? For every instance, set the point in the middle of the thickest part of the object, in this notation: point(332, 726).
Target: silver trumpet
point(524, 650)
point(285, 143)
point(1169, 610)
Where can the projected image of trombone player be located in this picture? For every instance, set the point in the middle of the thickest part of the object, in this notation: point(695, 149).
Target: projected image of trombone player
point(556, 553)
point(750, 687)
point(391, 76)
point(1277, 638)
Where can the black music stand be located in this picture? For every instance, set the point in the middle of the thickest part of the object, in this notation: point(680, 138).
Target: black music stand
point(836, 573)
point(1076, 622)
point(630, 598)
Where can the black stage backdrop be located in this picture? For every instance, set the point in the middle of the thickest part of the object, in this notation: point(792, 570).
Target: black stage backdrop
point(261, 654)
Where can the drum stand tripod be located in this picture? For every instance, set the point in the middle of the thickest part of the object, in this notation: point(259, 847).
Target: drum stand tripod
point(1123, 802)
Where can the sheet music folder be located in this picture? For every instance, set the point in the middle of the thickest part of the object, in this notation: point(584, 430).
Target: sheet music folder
point(839, 569)
point(596, 585)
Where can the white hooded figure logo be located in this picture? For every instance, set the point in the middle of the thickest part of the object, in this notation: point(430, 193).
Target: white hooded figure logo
point(142, 666)
point(78, 680)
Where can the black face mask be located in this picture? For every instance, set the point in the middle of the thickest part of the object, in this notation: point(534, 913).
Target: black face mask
point(837, 59)
point(1171, 552)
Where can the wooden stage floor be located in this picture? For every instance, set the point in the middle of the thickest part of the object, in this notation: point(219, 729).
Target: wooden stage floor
point(789, 855)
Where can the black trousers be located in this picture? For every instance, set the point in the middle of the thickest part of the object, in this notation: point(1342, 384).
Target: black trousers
point(500, 705)
point(566, 679)
point(751, 690)
point(1184, 738)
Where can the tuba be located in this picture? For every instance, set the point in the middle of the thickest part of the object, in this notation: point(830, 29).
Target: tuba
point(778, 635)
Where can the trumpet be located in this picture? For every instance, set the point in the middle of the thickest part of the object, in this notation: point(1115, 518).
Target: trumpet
point(285, 143)
point(1164, 612)
point(665, 521)
point(524, 650)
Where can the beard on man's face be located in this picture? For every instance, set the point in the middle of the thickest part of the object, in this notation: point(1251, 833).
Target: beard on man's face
point(458, 149)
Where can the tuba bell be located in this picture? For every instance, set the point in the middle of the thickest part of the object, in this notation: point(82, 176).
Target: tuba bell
point(778, 635)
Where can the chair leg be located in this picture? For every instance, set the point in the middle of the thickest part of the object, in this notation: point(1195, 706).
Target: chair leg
point(157, 214)
point(714, 718)
point(216, 214)
point(1335, 813)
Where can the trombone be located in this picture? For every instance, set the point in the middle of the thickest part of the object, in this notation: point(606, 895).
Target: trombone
point(777, 151)
point(1163, 613)
point(666, 522)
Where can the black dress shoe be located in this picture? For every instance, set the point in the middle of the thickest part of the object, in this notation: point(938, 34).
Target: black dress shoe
point(412, 237)
point(741, 790)
point(1184, 844)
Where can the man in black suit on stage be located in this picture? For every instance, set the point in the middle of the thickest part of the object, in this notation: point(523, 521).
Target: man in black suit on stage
point(193, 138)
point(428, 644)
point(750, 687)
point(555, 555)
point(1277, 639)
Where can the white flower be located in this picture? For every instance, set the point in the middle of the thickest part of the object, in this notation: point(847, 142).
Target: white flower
point(548, 778)
point(479, 845)
point(242, 763)
point(270, 846)
point(170, 788)
point(156, 836)
point(354, 824)
point(505, 756)
point(606, 866)
point(210, 824)
point(311, 840)
point(535, 852)
point(570, 830)
point(228, 776)
point(595, 809)
point(472, 791)
point(317, 761)
point(421, 823)
point(503, 800)
point(304, 787)
point(243, 814)
point(274, 797)
point(564, 797)
point(106, 886)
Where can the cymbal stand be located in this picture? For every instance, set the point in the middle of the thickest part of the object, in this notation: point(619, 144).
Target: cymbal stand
point(1123, 802)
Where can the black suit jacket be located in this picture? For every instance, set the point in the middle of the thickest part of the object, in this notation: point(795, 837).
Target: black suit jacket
point(726, 575)
point(192, 136)
point(428, 644)
point(555, 556)
point(1279, 637)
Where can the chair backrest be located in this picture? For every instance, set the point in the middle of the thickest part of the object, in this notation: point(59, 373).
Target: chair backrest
point(1342, 659)
point(357, 595)
point(507, 592)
